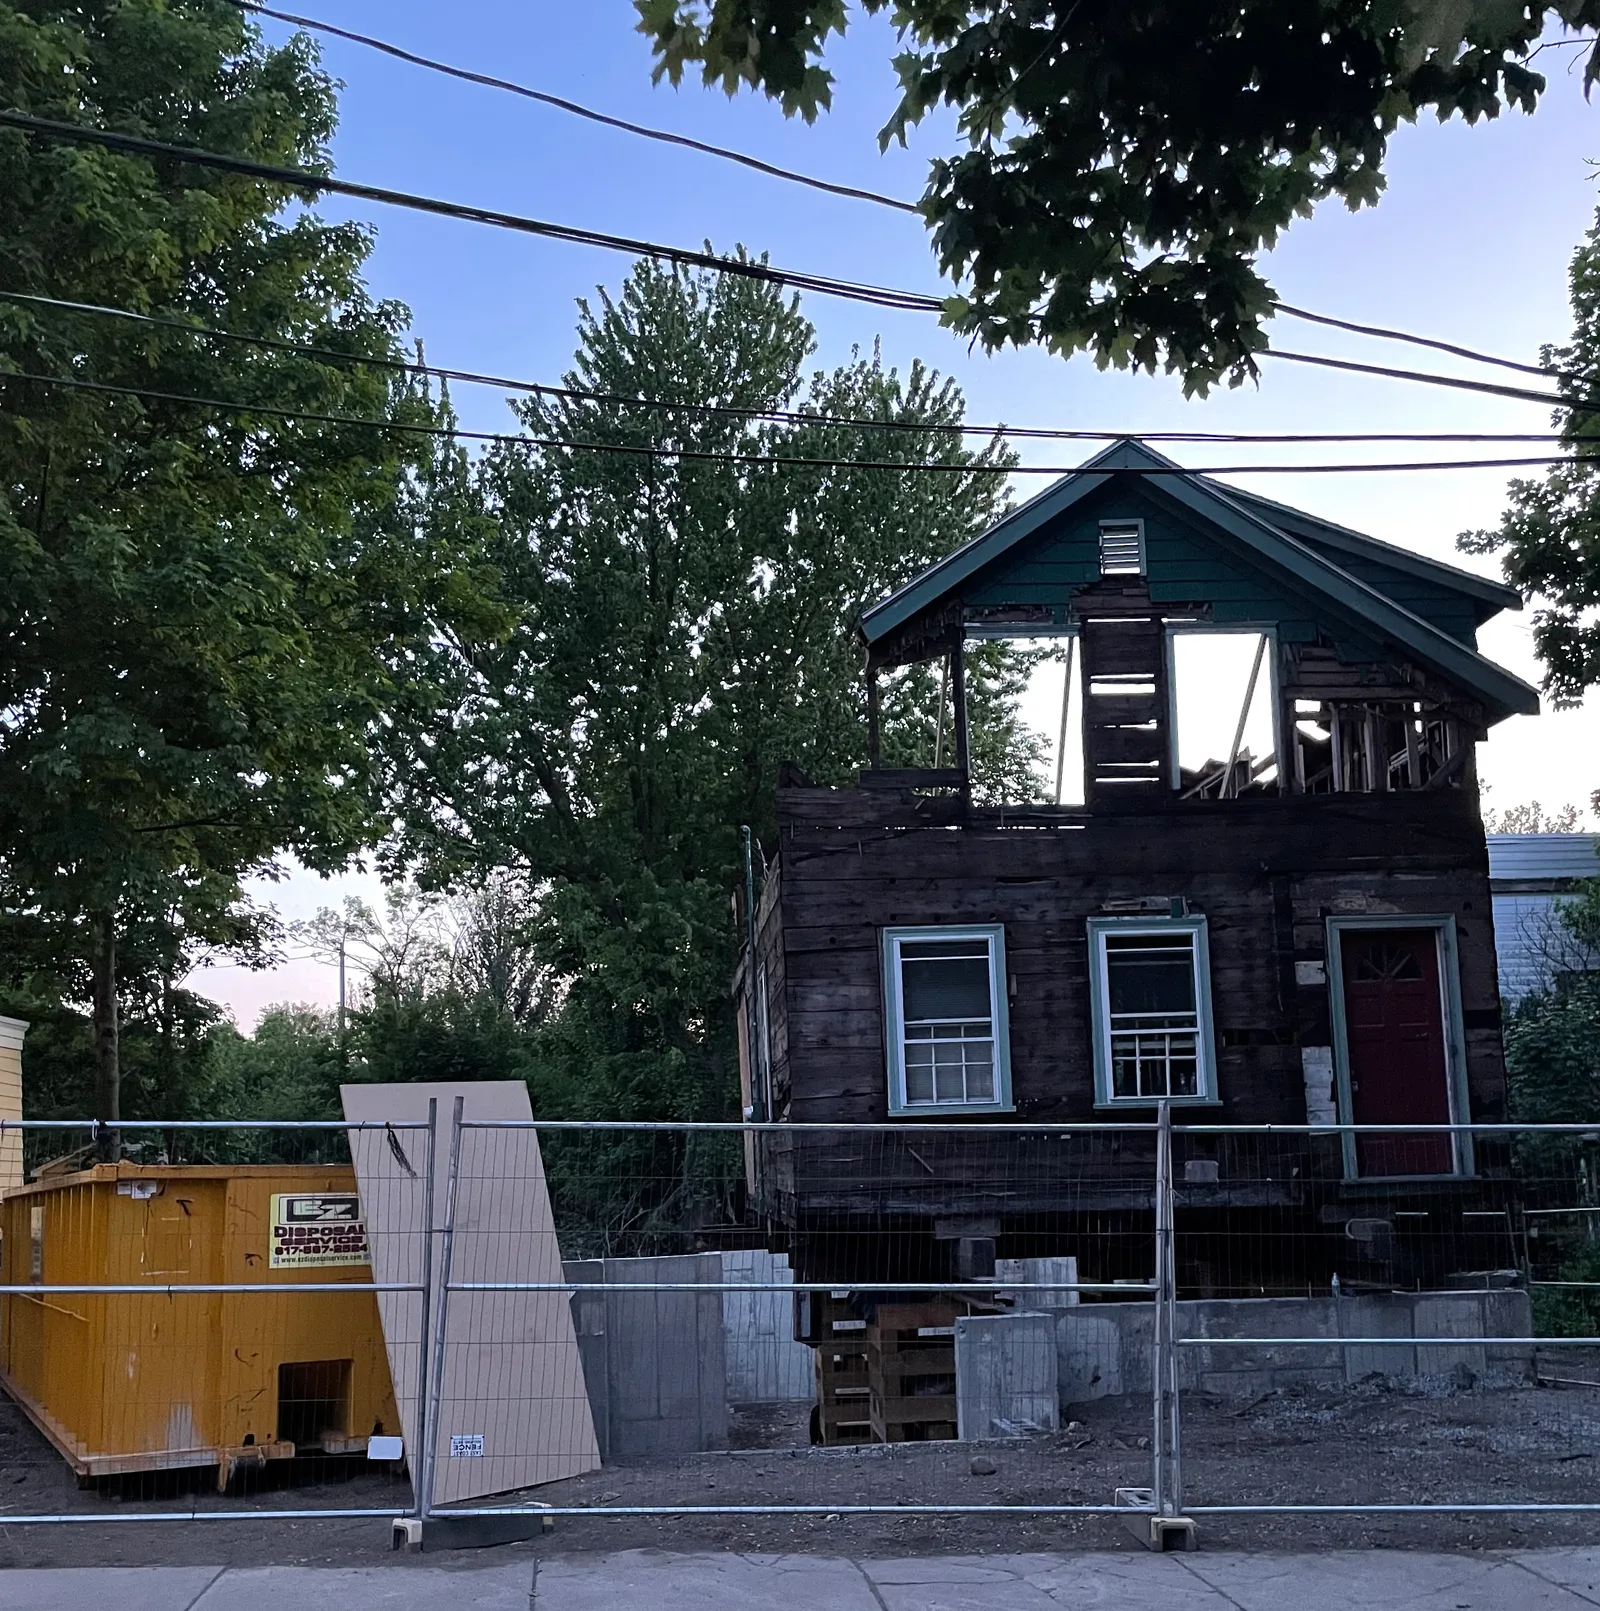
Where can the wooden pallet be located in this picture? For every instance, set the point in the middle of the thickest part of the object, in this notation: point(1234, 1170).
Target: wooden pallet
point(911, 1370)
point(838, 1336)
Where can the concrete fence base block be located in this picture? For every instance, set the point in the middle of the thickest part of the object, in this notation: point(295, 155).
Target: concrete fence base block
point(1159, 1533)
point(466, 1532)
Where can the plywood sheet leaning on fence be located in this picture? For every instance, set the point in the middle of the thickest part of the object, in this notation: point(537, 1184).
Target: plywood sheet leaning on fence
point(513, 1412)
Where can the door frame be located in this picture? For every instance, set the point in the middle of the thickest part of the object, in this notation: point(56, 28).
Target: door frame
point(1448, 959)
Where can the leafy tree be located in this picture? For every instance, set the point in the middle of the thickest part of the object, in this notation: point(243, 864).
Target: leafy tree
point(1122, 165)
point(1531, 818)
point(289, 1068)
point(221, 627)
point(687, 627)
point(1549, 536)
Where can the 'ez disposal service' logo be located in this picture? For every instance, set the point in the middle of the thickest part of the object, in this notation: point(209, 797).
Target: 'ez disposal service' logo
point(317, 1230)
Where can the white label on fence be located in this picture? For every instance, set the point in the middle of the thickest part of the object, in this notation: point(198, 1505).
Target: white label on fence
point(314, 1230)
point(384, 1448)
point(466, 1445)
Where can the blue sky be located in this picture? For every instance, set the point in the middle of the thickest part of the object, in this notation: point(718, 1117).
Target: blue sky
point(1471, 243)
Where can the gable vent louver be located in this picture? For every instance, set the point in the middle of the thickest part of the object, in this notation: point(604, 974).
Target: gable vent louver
point(1122, 549)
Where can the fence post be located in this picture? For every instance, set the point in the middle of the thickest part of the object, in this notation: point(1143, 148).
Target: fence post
point(1168, 1280)
point(1164, 1526)
point(424, 1442)
point(1160, 1344)
point(446, 1247)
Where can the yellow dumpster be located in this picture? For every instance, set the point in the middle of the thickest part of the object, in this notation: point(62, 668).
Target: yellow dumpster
point(124, 1382)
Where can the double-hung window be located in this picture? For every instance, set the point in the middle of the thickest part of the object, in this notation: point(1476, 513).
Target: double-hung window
point(945, 1018)
point(1151, 989)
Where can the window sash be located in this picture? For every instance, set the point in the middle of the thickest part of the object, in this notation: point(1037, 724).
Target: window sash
point(1149, 1056)
point(943, 1062)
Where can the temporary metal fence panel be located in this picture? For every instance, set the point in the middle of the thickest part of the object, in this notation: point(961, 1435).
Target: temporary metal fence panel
point(923, 1352)
point(272, 1344)
point(1375, 1320)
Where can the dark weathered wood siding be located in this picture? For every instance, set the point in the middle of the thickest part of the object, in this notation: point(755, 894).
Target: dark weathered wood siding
point(1265, 873)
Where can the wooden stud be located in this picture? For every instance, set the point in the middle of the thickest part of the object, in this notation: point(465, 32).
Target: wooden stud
point(1413, 750)
point(1066, 699)
point(958, 694)
point(944, 696)
point(873, 755)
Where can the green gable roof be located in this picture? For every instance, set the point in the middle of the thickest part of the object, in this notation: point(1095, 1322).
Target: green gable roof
point(1251, 560)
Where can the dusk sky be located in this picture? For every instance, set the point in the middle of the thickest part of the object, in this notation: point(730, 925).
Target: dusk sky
point(1471, 244)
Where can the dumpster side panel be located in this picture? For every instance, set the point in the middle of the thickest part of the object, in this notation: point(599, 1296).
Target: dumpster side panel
point(128, 1381)
point(271, 1330)
point(158, 1378)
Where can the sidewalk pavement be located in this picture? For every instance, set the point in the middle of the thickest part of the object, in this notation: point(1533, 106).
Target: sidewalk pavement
point(1375, 1580)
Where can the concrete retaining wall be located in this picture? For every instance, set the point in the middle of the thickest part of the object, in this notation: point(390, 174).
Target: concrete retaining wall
point(654, 1363)
point(1104, 1349)
point(765, 1364)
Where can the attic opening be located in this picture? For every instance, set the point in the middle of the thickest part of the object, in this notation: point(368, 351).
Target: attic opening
point(1375, 746)
point(1223, 646)
point(1223, 698)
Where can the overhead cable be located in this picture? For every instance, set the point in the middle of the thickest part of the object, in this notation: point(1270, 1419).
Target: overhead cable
point(315, 183)
point(561, 104)
point(1384, 333)
point(658, 451)
point(785, 416)
point(824, 285)
point(1429, 378)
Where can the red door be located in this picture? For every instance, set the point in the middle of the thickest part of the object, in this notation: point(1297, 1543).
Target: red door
point(1394, 1027)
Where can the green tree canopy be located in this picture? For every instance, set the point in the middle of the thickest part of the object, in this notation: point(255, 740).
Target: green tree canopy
point(1549, 536)
point(687, 627)
point(1123, 165)
point(221, 628)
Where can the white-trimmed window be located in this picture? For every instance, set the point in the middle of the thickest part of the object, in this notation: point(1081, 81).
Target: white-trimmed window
point(1150, 983)
point(944, 992)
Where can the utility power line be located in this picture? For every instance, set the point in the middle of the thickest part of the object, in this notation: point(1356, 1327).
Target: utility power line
point(335, 355)
point(1523, 394)
point(490, 81)
point(656, 451)
point(563, 105)
point(314, 183)
point(1386, 334)
point(851, 290)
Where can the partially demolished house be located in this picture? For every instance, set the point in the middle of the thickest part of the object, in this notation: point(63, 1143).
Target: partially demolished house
point(1295, 931)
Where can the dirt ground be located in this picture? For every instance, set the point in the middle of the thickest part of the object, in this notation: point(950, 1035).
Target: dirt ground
point(1374, 1442)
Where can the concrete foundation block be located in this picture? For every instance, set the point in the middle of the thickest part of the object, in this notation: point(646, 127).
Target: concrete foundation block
point(1378, 1315)
point(1449, 1314)
point(1007, 1377)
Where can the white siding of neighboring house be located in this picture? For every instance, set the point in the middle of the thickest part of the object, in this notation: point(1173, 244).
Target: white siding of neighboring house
point(1529, 874)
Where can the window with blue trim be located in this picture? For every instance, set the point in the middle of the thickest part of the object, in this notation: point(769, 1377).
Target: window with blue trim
point(945, 1019)
point(1151, 993)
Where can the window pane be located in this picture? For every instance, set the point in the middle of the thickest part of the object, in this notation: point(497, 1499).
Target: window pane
point(919, 1071)
point(945, 948)
point(1150, 973)
point(945, 987)
point(948, 1082)
point(980, 1072)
